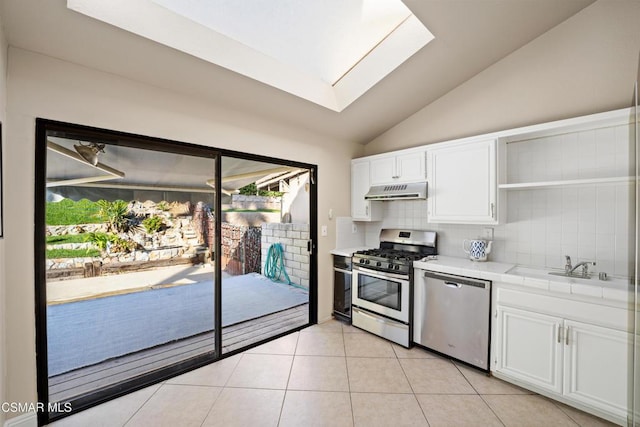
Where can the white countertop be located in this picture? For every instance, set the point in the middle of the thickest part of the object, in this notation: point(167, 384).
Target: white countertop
point(465, 267)
point(348, 251)
point(614, 289)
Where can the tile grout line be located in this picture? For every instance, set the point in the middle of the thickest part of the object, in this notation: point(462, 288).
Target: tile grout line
point(413, 392)
point(224, 386)
point(143, 403)
point(286, 390)
point(346, 365)
point(479, 395)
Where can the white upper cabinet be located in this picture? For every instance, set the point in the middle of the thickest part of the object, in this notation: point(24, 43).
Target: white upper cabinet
point(361, 209)
point(398, 168)
point(462, 179)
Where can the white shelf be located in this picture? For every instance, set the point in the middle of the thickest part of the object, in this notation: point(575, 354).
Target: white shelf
point(588, 181)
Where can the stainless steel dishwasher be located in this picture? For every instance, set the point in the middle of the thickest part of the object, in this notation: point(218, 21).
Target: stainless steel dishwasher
point(452, 316)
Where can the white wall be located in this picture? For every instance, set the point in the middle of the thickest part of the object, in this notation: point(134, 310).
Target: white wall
point(3, 179)
point(41, 86)
point(585, 65)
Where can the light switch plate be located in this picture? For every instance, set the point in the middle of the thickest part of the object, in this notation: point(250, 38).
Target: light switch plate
point(354, 228)
point(324, 231)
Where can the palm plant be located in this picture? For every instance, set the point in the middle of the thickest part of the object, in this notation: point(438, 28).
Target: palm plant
point(115, 214)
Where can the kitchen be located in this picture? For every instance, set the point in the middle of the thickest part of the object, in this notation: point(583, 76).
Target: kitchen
point(91, 74)
point(551, 206)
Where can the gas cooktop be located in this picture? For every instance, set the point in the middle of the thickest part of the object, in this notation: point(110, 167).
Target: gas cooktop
point(398, 249)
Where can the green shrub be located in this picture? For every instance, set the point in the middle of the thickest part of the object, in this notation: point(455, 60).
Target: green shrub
point(252, 190)
point(153, 224)
point(122, 245)
point(100, 240)
point(115, 243)
point(163, 206)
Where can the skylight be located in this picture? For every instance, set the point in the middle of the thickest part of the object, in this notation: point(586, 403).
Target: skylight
point(329, 52)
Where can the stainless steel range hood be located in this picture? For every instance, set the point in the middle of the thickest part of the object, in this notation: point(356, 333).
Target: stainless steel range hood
point(414, 190)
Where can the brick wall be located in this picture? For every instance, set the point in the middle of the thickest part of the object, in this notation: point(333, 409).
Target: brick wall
point(294, 238)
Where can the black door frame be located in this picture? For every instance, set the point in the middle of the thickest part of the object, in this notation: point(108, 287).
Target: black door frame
point(45, 128)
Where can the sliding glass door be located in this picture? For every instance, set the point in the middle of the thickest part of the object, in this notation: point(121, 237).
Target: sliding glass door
point(155, 257)
point(265, 254)
point(129, 282)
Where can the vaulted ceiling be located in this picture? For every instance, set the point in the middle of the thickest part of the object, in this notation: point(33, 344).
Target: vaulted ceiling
point(470, 35)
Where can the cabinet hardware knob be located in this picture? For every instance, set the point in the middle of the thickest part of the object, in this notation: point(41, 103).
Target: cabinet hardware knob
point(559, 333)
point(567, 336)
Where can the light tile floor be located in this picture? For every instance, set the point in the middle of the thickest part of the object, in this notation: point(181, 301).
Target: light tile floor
point(332, 375)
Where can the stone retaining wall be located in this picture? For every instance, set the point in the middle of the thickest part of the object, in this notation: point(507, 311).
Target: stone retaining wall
point(294, 238)
point(240, 201)
point(134, 256)
point(64, 230)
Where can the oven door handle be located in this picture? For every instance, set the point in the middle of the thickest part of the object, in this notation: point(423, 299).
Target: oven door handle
point(380, 275)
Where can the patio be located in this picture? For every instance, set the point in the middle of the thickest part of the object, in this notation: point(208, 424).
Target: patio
point(86, 380)
point(127, 327)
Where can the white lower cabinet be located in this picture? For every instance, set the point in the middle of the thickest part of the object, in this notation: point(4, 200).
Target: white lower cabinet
point(529, 348)
point(578, 362)
point(596, 366)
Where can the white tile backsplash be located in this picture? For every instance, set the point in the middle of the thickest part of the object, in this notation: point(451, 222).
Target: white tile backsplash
point(589, 223)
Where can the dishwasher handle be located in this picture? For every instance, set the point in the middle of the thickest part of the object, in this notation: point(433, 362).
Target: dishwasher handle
point(453, 285)
point(453, 281)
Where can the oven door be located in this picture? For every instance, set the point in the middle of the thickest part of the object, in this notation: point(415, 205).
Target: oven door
point(382, 293)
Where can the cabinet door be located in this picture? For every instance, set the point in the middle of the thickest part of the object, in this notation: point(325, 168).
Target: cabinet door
point(596, 366)
point(361, 209)
point(383, 170)
point(462, 183)
point(529, 348)
point(411, 167)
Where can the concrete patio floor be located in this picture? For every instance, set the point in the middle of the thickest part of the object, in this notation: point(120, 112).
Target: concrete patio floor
point(59, 292)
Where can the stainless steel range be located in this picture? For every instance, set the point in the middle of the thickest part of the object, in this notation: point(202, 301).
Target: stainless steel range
point(382, 283)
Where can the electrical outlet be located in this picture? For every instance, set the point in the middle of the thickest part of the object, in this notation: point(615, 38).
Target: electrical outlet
point(354, 228)
point(324, 231)
point(487, 233)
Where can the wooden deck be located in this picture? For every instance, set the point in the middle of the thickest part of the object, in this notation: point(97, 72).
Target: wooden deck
point(86, 380)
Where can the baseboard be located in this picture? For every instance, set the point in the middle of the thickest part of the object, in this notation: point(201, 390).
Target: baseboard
point(29, 419)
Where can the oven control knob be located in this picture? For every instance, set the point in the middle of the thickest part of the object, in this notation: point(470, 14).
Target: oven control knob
point(378, 264)
point(397, 267)
point(390, 267)
point(366, 261)
point(362, 261)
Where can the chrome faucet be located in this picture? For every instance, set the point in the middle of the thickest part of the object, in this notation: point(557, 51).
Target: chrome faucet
point(568, 266)
point(569, 269)
point(585, 268)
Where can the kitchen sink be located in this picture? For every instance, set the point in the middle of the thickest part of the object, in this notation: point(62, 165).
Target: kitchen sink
point(574, 275)
point(556, 275)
